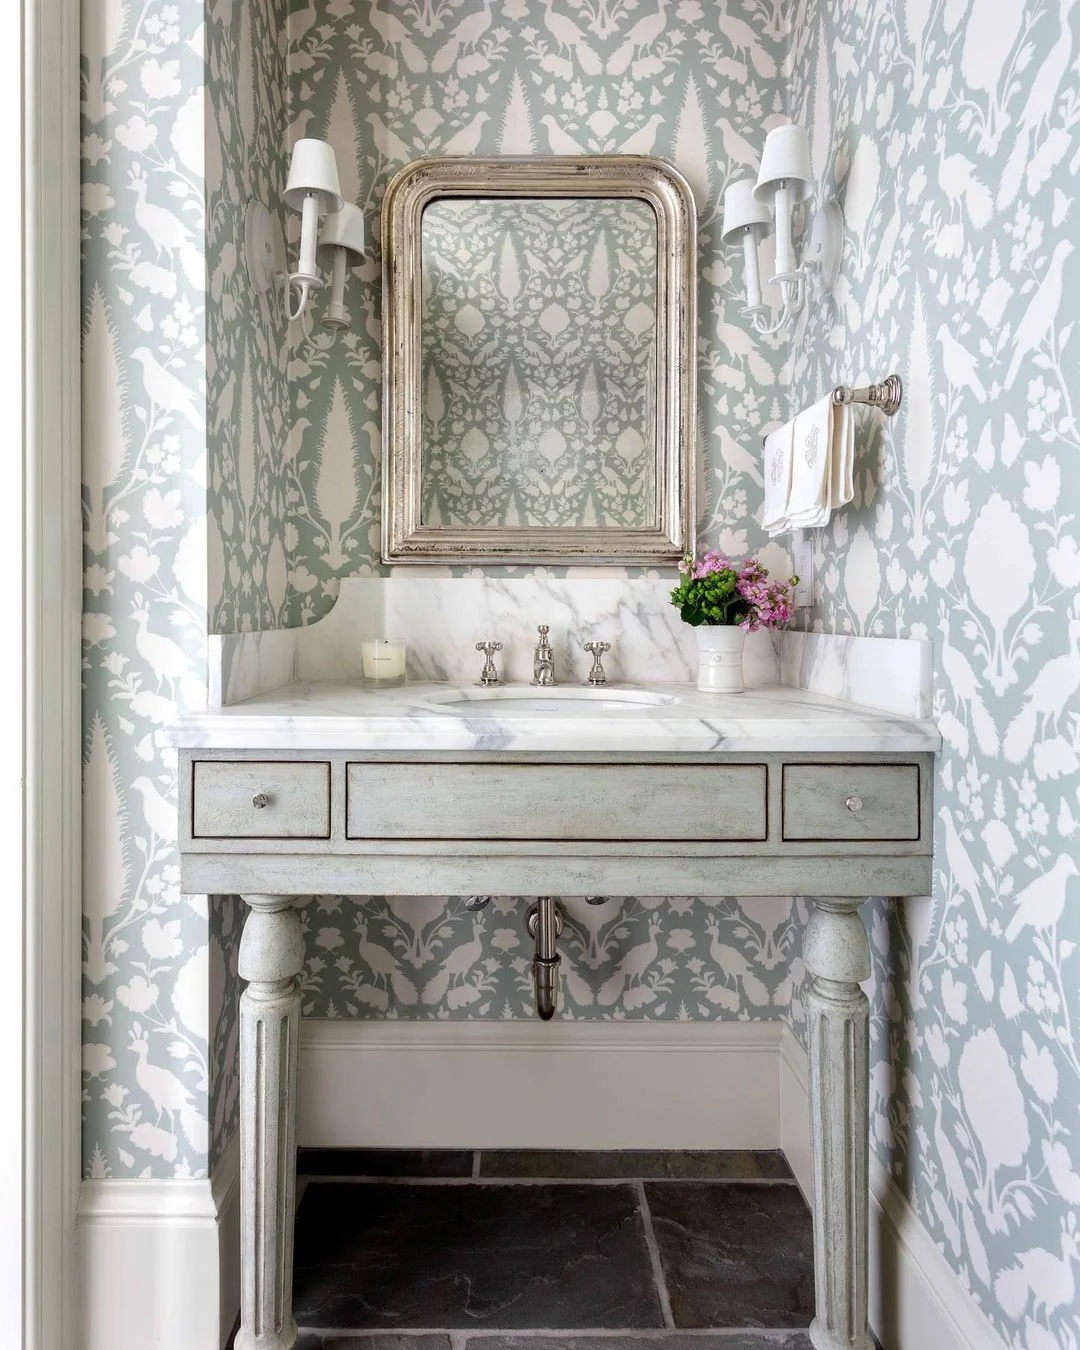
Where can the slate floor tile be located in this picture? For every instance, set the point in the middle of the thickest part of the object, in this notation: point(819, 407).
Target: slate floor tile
point(509, 1257)
point(664, 1340)
point(384, 1162)
point(734, 1255)
point(314, 1340)
point(725, 1165)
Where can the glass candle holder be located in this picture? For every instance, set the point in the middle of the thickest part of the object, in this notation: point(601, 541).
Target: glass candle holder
point(383, 662)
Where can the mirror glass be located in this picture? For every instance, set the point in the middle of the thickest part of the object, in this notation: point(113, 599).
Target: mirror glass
point(538, 363)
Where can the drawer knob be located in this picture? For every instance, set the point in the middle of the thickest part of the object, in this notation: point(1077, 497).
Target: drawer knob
point(853, 804)
point(260, 800)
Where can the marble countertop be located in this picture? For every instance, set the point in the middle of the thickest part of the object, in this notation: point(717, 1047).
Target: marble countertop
point(678, 719)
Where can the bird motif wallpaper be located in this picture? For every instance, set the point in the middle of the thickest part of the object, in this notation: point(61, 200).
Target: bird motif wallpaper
point(953, 153)
point(954, 157)
point(538, 353)
point(691, 84)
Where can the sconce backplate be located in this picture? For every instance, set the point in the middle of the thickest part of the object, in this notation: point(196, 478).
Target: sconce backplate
point(826, 247)
point(264, 247)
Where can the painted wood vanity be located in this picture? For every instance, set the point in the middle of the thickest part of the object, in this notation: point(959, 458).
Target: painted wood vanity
point(321, 787)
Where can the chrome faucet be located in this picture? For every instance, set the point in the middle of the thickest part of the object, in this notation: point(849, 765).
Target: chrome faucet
point(598, 675)
point(543, 659)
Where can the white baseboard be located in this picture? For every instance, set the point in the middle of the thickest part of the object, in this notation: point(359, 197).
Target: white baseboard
point(159, 1261)
point(916, 1299)
point(518, 1084)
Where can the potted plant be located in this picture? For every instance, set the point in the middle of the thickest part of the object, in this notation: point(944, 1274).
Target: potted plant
point(723, 599)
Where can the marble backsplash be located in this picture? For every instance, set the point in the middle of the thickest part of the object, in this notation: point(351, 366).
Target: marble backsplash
point(442, 618)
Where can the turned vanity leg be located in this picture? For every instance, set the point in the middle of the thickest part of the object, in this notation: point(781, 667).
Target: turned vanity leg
point(837, 956)
point(271, 957)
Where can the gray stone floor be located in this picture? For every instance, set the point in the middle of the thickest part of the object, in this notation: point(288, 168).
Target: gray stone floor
point(531, 1250)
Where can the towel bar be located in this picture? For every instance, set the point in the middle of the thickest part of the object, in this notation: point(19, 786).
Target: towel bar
point(888, 395)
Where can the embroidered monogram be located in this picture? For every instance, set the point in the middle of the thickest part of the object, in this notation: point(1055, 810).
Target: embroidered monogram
point(811, 444)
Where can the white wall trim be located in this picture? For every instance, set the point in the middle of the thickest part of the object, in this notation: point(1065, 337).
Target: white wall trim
point(160, 1260)
point(524, 1084)
point(916, 1299)
point(53, 603)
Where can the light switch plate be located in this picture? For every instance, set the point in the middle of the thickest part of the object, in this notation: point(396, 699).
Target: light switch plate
point(802, 555)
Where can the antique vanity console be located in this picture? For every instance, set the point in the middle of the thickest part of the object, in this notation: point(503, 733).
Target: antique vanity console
point(325, 788)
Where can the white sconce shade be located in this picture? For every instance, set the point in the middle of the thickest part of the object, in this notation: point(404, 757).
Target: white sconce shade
point(743, 211)
point(313, 170)
point(785, 179)
point(785, 160)
point(343, 233)
point(748, 221)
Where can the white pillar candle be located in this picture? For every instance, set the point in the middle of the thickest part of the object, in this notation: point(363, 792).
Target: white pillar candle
point(383, 660)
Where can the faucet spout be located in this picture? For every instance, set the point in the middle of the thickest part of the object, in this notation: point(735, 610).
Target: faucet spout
point(543, 659)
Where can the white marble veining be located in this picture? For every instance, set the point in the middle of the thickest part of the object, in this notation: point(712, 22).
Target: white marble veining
point(243, 664)
point(327, 715)
point(893, 674)
point(442, 619)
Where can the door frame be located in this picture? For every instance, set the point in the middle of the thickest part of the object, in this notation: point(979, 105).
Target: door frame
point(52, 605)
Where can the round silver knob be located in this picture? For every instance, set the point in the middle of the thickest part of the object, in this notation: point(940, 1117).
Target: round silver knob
point(596, 899)
point(476, 902)
point(853, 804)
point(260, 800)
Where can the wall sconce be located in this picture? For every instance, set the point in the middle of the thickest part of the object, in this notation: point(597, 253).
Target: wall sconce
point(313, 190)
point(752, 210)
point(343, 234)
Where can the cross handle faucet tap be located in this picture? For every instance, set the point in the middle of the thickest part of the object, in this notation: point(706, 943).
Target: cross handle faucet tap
point(489, 675)
point(598, 675)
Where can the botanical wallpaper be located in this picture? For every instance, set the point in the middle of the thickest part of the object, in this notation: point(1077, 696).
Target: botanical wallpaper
point(247, 389)
point(422, 72)
point(953, 155)
point(538, 354)
point(685, 80)
point(146, 958)
point(690, 83)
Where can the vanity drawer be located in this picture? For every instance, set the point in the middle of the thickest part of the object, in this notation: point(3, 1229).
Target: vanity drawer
point(557, 801)
point(851, 801)
point(260, 799)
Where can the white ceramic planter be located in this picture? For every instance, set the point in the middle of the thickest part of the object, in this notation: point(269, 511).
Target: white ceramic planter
point(720, 654)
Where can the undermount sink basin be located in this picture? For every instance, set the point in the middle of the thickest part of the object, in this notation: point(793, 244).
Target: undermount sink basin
point(567, 701)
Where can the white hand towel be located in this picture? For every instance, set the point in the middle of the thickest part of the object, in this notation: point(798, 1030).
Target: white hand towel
point(842, 443)
point(811, 500)
point(777, 473)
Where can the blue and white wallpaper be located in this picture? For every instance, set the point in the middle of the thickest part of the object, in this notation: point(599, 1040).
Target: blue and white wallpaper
point(954, 151)
point(954, 157)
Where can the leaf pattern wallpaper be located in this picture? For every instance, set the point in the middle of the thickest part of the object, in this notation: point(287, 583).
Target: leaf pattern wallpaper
point(538, 353)
point(230, 488)
point(147, 1005)
point(954, 158)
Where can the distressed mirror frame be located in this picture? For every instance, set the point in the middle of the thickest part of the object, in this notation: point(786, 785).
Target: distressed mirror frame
point(405, 538)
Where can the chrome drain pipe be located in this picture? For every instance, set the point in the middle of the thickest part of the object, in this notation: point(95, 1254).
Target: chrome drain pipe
point(545, 923)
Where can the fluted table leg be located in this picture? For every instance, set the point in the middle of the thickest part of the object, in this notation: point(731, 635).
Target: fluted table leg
point(837, 956)
point(271, 957)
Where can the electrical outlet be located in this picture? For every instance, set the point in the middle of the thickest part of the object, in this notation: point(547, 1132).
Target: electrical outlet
point(802, 554)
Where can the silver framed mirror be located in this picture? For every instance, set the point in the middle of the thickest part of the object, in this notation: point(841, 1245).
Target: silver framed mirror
point(539, 330)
